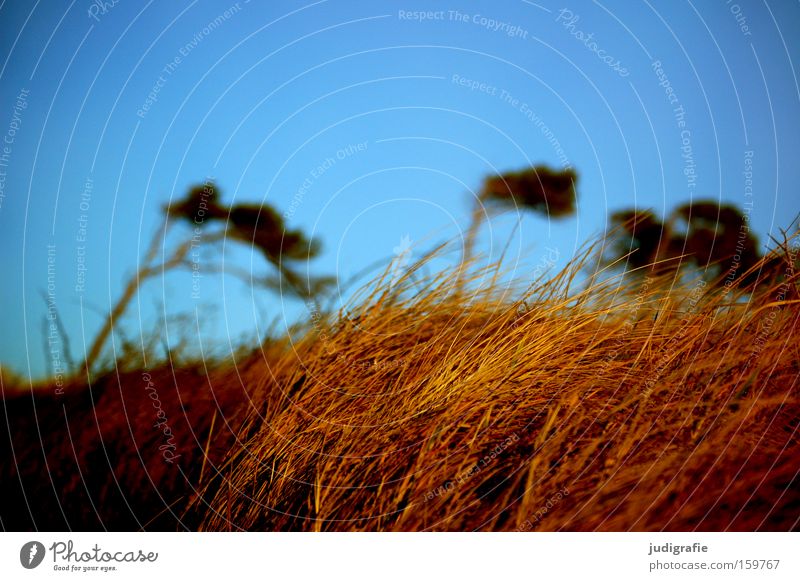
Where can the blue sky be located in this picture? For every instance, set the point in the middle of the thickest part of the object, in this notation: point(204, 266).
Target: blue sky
point(140, 101)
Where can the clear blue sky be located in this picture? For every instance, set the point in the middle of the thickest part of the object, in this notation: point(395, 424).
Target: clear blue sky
point(262, 93)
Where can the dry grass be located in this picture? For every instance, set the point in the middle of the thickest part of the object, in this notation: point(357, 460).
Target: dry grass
point(617, 407)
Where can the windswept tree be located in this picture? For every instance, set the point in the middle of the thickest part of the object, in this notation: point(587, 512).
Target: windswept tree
point(639, 236)
point(712, 238)
point(539, 189)
point(259, 226)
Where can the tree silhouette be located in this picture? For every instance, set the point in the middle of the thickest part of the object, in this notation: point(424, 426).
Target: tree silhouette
point(641, 236)
point(704, 235)
point(257, 225)
point(201, 202)
point(540, 189)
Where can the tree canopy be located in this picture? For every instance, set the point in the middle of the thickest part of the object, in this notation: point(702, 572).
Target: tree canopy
point(705, 235)
point(541, 189)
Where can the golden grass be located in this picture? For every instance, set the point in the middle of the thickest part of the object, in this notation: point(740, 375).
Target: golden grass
point(649, 405)
point(640, 407)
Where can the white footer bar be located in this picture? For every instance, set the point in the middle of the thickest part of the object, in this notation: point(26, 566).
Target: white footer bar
point(403, 556)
